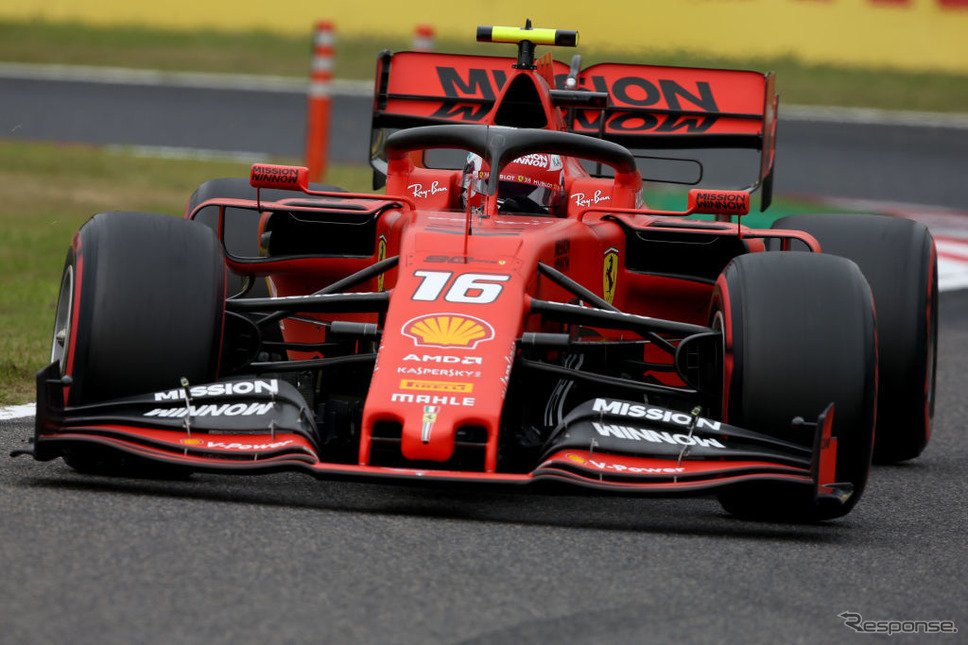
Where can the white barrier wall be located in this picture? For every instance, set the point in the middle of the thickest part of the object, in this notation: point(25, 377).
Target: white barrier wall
point(908, 34)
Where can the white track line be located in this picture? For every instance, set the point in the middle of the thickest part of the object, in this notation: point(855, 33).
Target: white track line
point(872, 116)
point(199, 80)
point(17, 411)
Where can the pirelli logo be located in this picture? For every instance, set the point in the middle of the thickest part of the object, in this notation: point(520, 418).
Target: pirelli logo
point(436, 386)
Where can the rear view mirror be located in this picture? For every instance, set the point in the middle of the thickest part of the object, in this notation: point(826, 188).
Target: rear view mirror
point(264, 175)
point(719, 202)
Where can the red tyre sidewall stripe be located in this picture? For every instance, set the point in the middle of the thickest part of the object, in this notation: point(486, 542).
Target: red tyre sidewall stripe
point(721, 293)
point(70, 350)
point(221, 331)
point(929, 362)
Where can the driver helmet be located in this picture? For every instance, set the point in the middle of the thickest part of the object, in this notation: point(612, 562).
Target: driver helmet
point(530, 184)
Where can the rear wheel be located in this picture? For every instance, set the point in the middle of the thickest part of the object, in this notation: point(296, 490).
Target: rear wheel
point(141, 306)
point(242, 238)
point(799, 334)
point(897, 257)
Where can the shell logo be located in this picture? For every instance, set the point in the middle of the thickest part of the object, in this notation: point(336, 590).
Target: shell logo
point(190, 442)
point(581, 461)
point(448, 330)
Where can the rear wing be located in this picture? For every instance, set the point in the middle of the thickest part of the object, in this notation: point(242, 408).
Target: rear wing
point(637, 106)
point(417, 88)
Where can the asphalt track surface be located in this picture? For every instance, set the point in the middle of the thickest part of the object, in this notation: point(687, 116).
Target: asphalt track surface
point(285, 558)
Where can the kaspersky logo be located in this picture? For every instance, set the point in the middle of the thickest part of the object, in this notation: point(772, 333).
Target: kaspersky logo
point(448, 330)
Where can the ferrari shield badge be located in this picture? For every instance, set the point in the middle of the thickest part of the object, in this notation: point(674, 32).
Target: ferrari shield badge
point(610, 274)
point(381, 254)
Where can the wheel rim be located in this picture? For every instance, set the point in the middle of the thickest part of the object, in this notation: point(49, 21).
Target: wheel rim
point(62, 321)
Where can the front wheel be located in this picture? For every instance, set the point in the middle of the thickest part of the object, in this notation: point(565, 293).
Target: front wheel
point(799, 334)
point(140, 307)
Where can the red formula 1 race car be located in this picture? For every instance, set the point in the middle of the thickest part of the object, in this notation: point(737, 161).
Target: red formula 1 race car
point(510, 311)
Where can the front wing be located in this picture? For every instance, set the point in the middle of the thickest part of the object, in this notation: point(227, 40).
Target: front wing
point(264, 426)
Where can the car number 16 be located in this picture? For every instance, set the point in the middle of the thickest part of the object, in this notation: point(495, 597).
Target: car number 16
point(467, 288)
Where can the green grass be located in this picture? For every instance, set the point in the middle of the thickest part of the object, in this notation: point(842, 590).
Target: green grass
point(49, 191)
point(263, 52)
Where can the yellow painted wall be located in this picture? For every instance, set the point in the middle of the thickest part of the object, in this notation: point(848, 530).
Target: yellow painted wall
point(910, 34)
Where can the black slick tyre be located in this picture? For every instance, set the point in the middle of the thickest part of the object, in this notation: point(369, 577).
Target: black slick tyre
point(244, 239)
point(140, 307)
point(899, 260)
point(799, 334)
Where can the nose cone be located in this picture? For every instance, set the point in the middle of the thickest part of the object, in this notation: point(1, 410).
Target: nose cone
point(440, 373)
point(447, 348)
point(429, 431)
